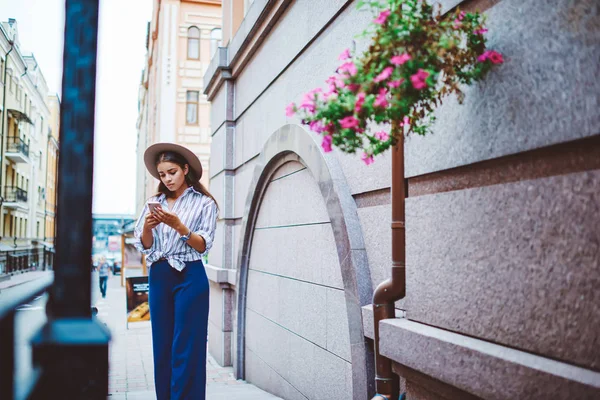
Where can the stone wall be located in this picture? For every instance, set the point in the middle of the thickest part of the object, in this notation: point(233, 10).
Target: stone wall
point(503, 247)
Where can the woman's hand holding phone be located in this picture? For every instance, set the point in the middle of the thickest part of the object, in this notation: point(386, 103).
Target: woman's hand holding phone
point(151, 221)
point(169, 218)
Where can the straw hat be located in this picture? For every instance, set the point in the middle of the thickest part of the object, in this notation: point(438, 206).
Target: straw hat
point(152, 152)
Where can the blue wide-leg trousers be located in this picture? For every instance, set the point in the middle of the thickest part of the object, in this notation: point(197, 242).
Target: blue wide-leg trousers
point(179, 315)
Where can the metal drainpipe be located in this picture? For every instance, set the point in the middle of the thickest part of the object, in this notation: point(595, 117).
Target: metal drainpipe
point(393, 289)
point(12, 46)
point(46, 186)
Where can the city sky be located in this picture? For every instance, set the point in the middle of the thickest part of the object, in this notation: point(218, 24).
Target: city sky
point(121, 52)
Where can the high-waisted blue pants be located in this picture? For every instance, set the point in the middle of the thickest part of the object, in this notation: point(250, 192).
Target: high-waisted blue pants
point(179, 315)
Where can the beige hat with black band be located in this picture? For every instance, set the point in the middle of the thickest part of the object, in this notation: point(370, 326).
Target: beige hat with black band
point(151, 155)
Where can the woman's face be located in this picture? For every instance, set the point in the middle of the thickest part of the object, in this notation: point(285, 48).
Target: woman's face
point(172, 175)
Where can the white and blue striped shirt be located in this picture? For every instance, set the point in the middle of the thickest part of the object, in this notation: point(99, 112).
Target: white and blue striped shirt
point(197, 212)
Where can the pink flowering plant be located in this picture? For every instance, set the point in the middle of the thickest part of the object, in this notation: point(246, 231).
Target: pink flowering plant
point(415, 59)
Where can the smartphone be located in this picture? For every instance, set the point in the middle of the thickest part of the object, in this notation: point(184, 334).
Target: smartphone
point(152, 205)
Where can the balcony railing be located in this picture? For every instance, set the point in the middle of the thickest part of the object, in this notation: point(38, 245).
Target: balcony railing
point(17, 261)
point(13, 194)
point(17, 145)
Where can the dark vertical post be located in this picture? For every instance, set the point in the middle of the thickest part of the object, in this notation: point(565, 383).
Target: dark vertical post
point(70, 295)
point(72, 348)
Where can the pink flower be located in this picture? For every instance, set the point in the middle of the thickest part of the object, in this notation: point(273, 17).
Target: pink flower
point(290, 110)
point(493, 56)
point(457, 21)
point(345, 55)
point(349, 122)
point(316, 126)
point(385, 74)
point(419, 79)
point(405, 121)
point(353, 87)
point(309, 99)
point(335, 81)
point(395, 84)
point(382, 135)
point(360, 100)
point(349, 68)
point(367, 159)
point(380, 100)
point(308, 106)
point(401, 59)
point(331, 92)
point(480, 31)
point(380, 20)
point(326, 143)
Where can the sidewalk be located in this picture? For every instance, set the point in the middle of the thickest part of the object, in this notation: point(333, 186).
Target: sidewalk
point(131, 375)
point(25, 277)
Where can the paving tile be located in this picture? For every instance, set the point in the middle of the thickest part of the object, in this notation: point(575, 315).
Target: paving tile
point(131, 375)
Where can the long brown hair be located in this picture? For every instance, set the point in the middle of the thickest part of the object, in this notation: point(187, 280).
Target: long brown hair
point(190, 178)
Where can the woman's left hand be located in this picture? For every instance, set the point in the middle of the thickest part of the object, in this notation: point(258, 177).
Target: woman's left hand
point(167, 217)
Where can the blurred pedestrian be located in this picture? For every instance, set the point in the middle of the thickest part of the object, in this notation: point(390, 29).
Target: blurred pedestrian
point(103, 270)
point(175, 230)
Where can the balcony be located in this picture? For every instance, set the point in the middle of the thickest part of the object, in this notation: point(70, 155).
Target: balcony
point(17, 150)
point(15, 197)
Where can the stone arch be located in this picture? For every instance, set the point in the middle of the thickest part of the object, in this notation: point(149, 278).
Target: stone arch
point(294, 143)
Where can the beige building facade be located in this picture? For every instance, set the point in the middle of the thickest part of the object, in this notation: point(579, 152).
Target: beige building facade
point(172, 106)
point(26, 119)
point(52, 168)
point(502, 239)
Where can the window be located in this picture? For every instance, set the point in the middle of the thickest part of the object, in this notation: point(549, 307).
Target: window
point(38, 229)
point(2, 70)
point(191, 114)
point(41, 159)
point(215, 41)
point(193, 43)
point(10, 83)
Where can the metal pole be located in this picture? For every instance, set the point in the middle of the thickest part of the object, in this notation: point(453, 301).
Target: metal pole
point(72, 348)
point(75, 166)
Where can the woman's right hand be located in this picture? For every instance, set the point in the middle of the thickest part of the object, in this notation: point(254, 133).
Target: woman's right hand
point(150, 222)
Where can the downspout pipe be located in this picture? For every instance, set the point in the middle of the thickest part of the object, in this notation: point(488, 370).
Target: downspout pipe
point(46, 186)
point(4, 118)
point(394, 288)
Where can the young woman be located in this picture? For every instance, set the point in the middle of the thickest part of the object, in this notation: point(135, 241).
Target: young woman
point(174, 235)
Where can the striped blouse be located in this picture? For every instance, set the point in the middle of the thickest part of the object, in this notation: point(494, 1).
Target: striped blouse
point(197, 212)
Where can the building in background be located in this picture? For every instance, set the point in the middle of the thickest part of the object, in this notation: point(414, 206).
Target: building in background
point(24, 130)
point(52, 167)
point(107, 230)
point(182, 36)
point(502, 239)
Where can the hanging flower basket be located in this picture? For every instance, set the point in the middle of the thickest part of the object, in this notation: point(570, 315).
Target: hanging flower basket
point(416, 58)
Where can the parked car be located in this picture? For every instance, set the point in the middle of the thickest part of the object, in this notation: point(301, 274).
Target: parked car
point(115, 263)
point(116, 268)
